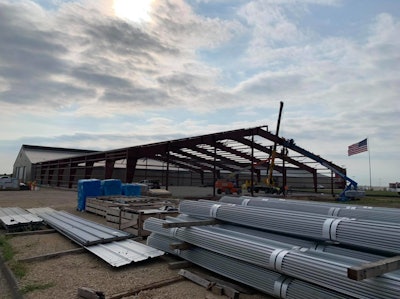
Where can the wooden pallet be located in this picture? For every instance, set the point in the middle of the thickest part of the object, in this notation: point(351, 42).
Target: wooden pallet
point(131, 220)
point(99, 206)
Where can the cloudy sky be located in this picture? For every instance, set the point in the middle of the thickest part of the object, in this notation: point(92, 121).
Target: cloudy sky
point(104, 74)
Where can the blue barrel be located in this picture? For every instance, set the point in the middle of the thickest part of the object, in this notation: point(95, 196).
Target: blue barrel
point(87, 187)
point(111, 187)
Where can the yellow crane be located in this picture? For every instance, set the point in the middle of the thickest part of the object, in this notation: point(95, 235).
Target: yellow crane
point(269, 185)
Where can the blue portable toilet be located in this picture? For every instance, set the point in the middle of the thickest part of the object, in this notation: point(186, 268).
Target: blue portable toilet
point(87, 187)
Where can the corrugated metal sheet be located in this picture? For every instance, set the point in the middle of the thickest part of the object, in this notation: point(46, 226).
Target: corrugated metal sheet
point(99, 239)
point(15, 218)
point(120, 253)
point(40, 210)
point(82, 231)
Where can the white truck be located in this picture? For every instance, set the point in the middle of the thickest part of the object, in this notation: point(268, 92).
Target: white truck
point(9, 183)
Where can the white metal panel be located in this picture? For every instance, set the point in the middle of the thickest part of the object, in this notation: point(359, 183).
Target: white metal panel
point(120, 253)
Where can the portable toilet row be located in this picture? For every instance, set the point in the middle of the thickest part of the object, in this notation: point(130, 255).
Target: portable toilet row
point(96, 187)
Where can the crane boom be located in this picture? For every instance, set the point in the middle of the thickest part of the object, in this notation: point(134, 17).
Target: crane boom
point(270, 180)
point(351, 190)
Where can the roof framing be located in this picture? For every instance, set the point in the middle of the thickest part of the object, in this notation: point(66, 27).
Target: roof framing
point(229, 151)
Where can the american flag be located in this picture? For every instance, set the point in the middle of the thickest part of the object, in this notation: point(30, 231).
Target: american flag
point(358, 147)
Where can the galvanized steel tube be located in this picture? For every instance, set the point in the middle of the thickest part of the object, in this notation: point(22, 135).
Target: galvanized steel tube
point(326, 209)
point(320, 268)
point(267, 281)
point(381, 236)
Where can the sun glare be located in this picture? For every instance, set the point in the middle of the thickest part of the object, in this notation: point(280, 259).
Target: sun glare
point(133, 10)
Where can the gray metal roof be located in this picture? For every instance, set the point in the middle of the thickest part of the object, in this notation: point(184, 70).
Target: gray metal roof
point(37, 153)
point(40, 155)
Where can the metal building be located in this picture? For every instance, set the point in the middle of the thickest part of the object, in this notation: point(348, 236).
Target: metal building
point(30, 155)
point(196, 160)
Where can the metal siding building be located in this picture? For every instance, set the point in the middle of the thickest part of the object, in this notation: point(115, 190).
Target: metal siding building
point(24, 168)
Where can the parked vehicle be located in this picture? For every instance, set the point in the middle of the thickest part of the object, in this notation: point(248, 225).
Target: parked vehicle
point(9, 183)
point(23, 186)
point(227, 187)
point(151, 184)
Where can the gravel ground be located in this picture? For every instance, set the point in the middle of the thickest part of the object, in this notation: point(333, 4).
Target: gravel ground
point(62, 276)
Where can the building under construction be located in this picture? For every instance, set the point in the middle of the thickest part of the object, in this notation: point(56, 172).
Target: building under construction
point(194, 161)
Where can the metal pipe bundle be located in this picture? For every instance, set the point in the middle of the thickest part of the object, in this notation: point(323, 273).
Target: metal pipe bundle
point(327, 209)
point(380, 236)
point(312, 245)
point(265, 280)
point(290, 241)
point(324, 269)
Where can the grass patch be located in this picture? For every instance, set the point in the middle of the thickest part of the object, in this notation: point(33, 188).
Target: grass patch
point(381, 193)
point(36, 287)
point(6, 249)
point(19, 269)
point(388, 202)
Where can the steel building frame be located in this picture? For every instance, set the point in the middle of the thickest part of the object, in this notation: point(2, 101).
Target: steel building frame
point(230, 151)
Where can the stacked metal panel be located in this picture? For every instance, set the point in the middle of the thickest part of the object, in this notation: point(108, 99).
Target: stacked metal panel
point(260, 278)
point(382, 236)
point(324, 269)
point(327, 209)
point(17, 219)
point(111, 245)
point(82, 231)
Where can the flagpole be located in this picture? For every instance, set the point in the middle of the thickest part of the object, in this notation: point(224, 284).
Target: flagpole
point(369, 159)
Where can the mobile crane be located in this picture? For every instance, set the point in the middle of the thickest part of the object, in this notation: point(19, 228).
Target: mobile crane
point(269, 185)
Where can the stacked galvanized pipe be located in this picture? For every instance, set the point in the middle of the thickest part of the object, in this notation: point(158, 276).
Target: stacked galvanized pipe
point(293, 266)
point(321, 208)
point(382, 236)
point(267, 281)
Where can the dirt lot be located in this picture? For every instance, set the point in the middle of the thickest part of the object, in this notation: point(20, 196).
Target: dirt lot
point(61, 277)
